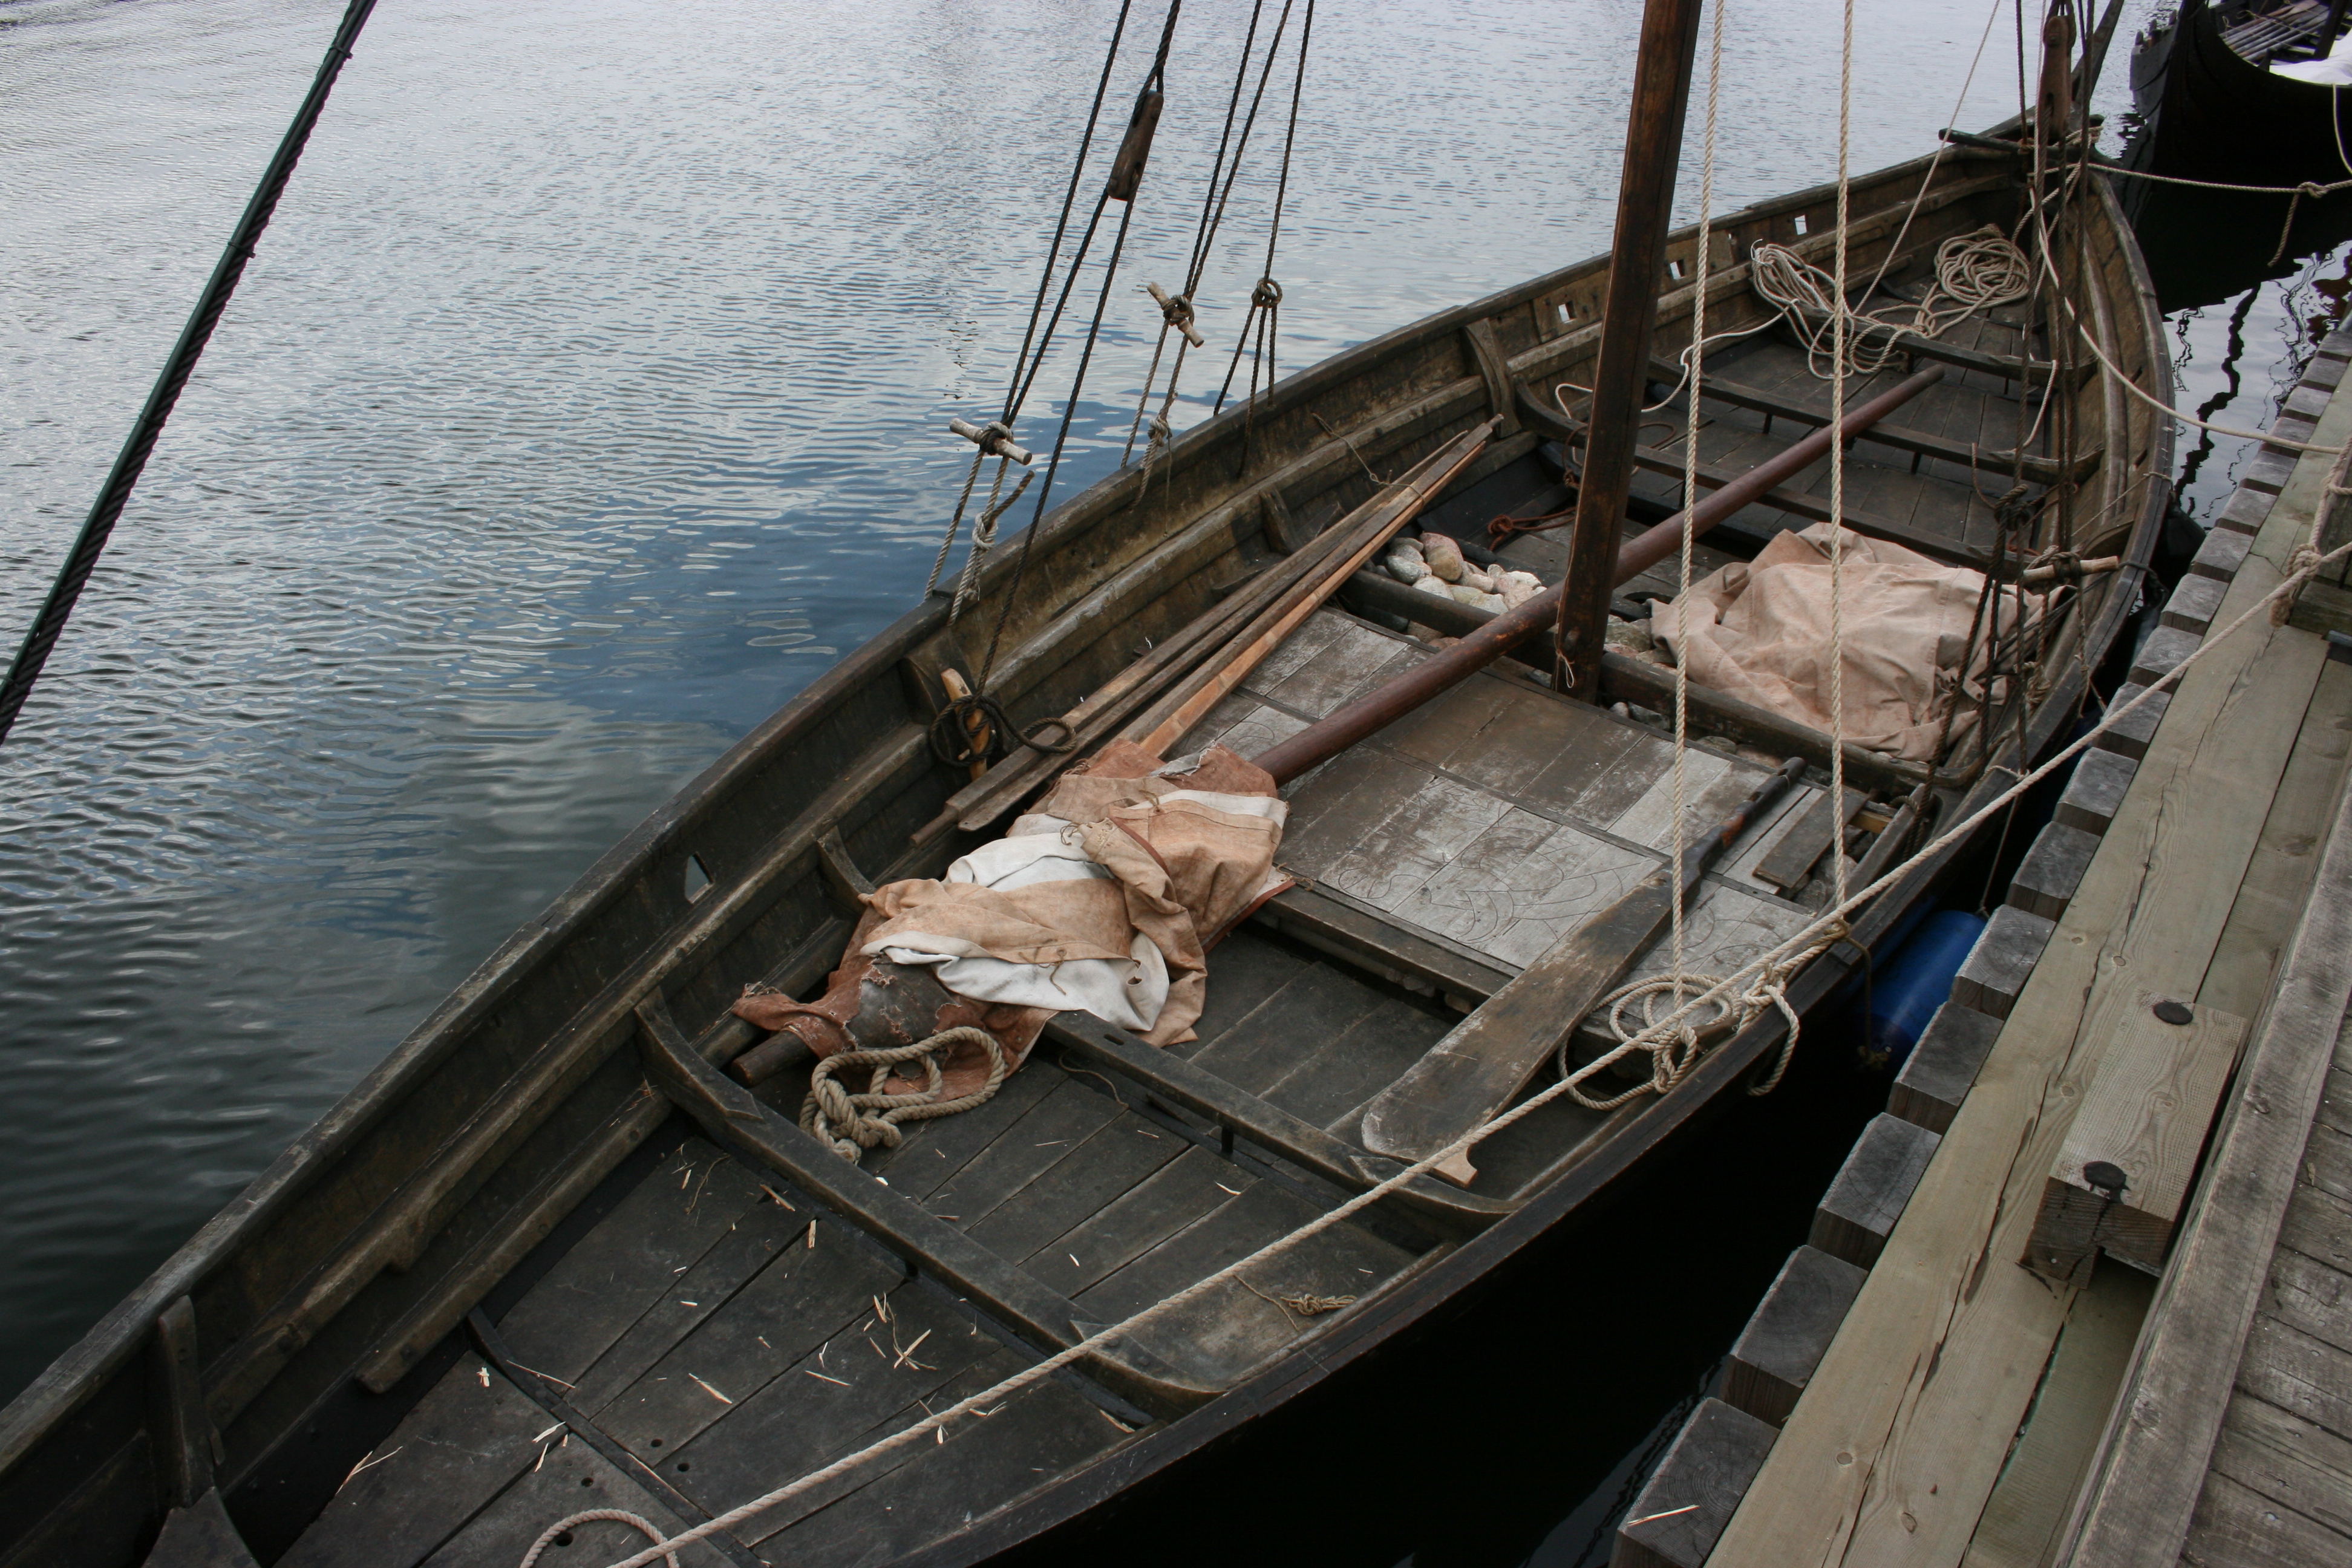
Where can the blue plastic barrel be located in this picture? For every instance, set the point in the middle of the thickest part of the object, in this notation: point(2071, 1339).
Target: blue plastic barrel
point(1905, 992)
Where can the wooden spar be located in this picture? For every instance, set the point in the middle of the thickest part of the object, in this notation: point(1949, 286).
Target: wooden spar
point(1393, 509)
point(1645, 193)
point(1375, 711)
point(1473, 1072)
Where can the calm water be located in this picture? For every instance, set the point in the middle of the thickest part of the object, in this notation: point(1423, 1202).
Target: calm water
point(583, 403)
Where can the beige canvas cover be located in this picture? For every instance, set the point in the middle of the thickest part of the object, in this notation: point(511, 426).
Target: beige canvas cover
point(1105, 898)
point(1760, 631)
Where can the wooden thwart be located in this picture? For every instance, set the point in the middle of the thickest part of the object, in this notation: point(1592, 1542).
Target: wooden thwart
point(1473, 1072)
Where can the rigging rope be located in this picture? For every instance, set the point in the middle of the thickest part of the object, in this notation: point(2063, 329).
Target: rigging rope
point(1023, 373)
point(1178, 313)
point(1666, 1067)
point(1265, 299)
point(1973, 272)
point(81, 560)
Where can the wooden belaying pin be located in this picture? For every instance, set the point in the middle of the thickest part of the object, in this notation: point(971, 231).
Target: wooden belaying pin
point(1177, 312)
point(993, 438)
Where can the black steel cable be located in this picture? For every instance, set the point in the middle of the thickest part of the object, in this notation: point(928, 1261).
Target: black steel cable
point(1078, 382)
point(49, 625)
point(1069, 200)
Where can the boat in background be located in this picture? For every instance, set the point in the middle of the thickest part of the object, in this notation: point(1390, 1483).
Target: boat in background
point(2213, 109)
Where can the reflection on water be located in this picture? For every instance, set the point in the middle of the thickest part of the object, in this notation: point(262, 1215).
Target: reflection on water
point(584, 401)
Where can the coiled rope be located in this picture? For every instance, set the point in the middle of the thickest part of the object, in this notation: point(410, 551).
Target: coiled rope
point(1973, 272)
point(548, 1537)
point(852, 1123)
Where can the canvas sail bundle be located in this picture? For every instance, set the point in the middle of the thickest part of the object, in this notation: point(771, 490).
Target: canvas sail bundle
point(1103, 899)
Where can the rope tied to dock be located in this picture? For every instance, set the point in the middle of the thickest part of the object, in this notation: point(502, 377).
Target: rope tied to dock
point(854, 1123)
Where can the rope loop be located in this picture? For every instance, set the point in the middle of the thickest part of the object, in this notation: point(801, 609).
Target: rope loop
point(1177, 312)
point(591, 1516)
point(1678, 1042)
point(852, 1122)
point(1058, 748)
point(951, 729)
point(1266, 295)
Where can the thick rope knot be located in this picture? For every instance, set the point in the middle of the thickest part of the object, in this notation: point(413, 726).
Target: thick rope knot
point(547, 1537)
point(853, 1123)
point(1177, 312)
point(2305, 560)
point(1266, 295)
point(2063, 565)
point(1702, 1006)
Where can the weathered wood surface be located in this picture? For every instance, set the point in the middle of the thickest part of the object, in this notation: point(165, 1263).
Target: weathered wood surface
point(1782, 1344)
point(1681, 1509)
point(2145, 1115)
point(2026, 1514)
point(1872, 1189)
point(1943, 1066)
point(2207, 1319)
point(1891, 1455)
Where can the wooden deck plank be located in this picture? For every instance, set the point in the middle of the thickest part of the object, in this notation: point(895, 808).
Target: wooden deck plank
point(627, 1261)
point(1344, 1261)
point(2270, 901)
point(2235, 1527)
point(798, 1421)
point(935, 1151)
point(1357, 1063)
point(2288, 1460)
point(2306, 1377)
point(2026, 1513)
point(574, 1478)
point(1924, 1450)
point(1040, 1433)
point(2207, 1317)
point(2305, 1293)
point(1440, 818)
point(763, 1533)
point(1194, 1183)
point(1279, 1033)
point(1513, 890)
point(1125, 1151)
point(805, 1298)
point(1074, 1112)
point(448, 1458)
point(692, 1297)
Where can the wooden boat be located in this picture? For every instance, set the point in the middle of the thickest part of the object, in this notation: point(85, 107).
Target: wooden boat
point(548, 1256)
point(2215, 110)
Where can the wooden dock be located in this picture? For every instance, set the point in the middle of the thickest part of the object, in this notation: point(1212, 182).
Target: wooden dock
point(2083, 1295)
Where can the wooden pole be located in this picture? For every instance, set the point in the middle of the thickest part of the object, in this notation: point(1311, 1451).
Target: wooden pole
point(1645, 194)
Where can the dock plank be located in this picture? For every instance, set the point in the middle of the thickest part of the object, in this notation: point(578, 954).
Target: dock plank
point(1940, 1358)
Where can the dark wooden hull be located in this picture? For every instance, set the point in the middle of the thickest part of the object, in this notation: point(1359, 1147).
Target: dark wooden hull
point(2214, 114)
point(322, 1304)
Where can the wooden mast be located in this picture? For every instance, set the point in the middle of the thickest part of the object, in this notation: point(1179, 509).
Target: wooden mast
point(1654, 136)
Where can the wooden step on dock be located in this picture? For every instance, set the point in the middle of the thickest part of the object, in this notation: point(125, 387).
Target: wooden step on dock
point(2084, 1296)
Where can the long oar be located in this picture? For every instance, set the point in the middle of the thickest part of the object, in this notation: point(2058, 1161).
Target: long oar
point(1474, 1071)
